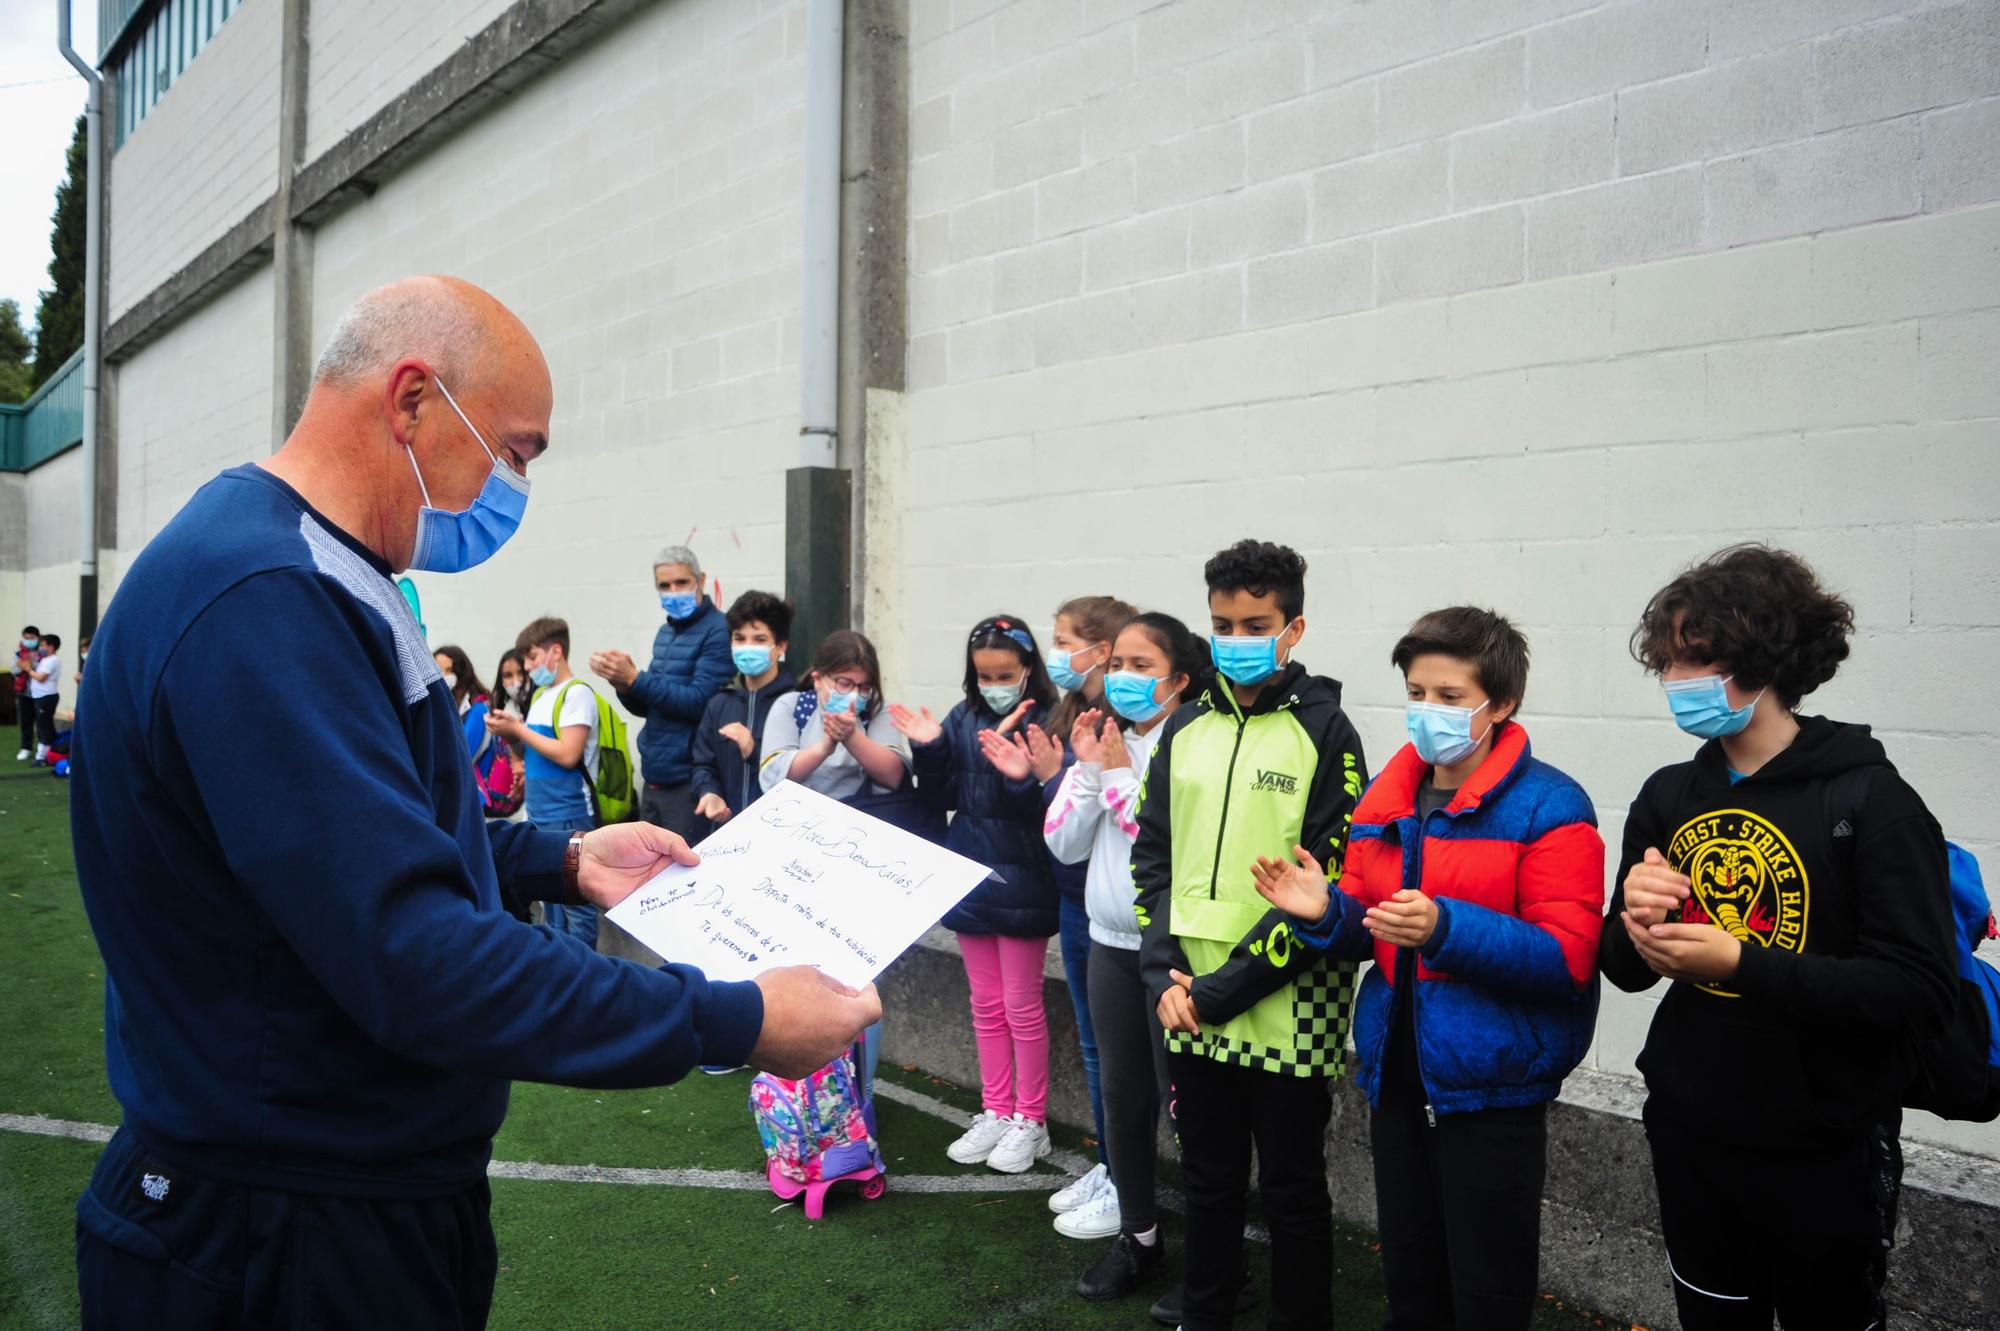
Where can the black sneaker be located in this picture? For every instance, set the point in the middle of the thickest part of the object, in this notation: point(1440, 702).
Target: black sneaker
point(1119, 1271)
point(1167, 1312)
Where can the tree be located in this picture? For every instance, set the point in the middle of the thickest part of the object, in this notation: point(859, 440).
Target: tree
point(59, 318)
point(15, 375)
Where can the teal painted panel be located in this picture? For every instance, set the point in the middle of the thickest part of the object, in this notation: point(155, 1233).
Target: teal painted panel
point(113, 17)
point(47, 423)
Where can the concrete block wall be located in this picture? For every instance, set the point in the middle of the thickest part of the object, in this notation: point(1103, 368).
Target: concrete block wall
point(365, 53)
point(638, 206)
point(190, 405)
point(202, 158)
point(52, 500)
point(1526, 305)
point(13, 550)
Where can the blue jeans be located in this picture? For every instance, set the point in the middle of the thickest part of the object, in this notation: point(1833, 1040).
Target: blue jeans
point(578, 922)
point(1076, 966)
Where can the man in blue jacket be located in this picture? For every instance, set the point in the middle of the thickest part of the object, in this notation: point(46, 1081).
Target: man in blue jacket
point(691, 663)
point(314, 994)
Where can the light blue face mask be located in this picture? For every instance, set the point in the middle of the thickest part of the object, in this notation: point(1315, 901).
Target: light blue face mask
point(680, 605)
point(1131, 695)
point(1063, 673)
point(1245, 661)
point(1003, 698)
point(1443, 733)
point(454, 542)
point(751, 660)
point(1701, 706)
point(839, 702)
point(541, 676)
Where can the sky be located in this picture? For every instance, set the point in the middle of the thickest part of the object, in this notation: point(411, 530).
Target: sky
point(40, 99)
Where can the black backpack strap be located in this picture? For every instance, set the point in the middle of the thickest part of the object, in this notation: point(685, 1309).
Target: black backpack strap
point(1842, 799)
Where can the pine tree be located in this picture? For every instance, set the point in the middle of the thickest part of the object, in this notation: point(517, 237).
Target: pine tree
point(59, 318)
point(15, 374)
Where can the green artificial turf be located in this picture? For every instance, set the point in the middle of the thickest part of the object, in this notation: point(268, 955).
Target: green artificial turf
point(584, 1255)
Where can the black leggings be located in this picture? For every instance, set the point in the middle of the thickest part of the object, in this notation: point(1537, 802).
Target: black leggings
point(1132, 1068)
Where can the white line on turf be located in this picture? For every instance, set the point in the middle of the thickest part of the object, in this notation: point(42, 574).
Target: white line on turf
point(55, 1127)
point(732, 1180)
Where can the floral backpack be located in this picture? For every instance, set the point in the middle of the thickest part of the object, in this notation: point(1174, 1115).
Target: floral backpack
point(818, 1128)
point(493, 773)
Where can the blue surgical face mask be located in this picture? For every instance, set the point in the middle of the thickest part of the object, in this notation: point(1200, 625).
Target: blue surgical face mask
point(751, 659)
point(29, 644)
point(1003, 698)
point(1245, 661)
point(541, 676)
point(839, 702)
point(1701, 706)
point(1131, 695)
point(1063, 673)
point(454, 542)
point(1443, 733)
point(680, 605)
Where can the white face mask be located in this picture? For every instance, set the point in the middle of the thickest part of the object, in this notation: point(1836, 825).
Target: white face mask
point(451, 681)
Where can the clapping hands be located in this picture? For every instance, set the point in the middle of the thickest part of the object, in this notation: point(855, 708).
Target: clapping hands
point(919, 727)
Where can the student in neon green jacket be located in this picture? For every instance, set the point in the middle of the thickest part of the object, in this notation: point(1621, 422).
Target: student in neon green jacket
point(1265, 761)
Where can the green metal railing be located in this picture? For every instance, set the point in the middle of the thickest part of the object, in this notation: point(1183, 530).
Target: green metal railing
point(48, 423)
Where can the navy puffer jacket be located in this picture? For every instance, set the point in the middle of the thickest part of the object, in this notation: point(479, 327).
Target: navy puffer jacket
point(996, 822)
point(691, 663)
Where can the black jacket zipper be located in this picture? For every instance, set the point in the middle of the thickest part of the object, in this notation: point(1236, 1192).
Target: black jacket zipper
point(1228, 780)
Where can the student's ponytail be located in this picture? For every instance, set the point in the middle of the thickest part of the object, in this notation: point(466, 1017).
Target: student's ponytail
point(1094, 619)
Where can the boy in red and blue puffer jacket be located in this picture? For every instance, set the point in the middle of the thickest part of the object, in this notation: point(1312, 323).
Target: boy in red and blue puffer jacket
point(1474, 878)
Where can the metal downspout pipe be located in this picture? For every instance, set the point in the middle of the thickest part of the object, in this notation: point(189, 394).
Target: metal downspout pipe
point(92, 270)
point(819, 352)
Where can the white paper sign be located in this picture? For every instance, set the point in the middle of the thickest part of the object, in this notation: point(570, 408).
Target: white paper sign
point(799, 879)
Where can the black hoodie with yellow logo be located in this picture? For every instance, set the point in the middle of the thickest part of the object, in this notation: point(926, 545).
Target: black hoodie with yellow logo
point(1832, 873)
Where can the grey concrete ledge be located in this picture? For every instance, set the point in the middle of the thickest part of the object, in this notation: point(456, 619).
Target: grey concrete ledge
point(238, 251)
point(500, 58)
point(504, 56)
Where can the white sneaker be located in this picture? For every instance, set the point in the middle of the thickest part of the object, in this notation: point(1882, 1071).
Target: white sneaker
point(1082, 1192)
point(1099, 1219)
point(1025, 1142)
point(21, 757)
point(979, 1139)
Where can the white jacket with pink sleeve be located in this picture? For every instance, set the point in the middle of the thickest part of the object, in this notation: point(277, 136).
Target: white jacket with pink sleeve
point(1092, 818)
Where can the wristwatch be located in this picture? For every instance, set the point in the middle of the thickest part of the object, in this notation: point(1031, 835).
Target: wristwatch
point(572, 866)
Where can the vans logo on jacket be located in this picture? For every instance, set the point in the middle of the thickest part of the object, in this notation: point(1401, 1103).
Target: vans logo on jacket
point(1747, 880)
point(1276, 783)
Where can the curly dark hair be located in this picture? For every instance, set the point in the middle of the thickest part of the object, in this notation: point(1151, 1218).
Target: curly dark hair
point(772, 611)
point(1262, 569)
point(1760, 612)
point(1498, 652)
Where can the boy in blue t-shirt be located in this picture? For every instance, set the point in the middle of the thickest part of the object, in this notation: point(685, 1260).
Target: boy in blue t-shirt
point(559, 735)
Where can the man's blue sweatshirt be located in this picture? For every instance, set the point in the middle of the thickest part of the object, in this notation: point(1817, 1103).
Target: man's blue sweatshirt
point(310, 979)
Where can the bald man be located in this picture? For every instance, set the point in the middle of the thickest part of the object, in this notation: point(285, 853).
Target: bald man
point(314, 994)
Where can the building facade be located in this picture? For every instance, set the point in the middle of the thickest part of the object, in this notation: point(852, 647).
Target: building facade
point(1523, 304)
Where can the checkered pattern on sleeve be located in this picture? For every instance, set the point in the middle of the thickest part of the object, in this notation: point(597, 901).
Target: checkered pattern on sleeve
point(1322, 1008)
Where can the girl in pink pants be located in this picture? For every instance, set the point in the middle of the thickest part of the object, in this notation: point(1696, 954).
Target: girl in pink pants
point(1005, 924)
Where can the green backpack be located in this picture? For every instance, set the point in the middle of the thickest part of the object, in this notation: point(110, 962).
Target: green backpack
point(611, 790)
